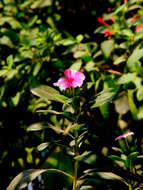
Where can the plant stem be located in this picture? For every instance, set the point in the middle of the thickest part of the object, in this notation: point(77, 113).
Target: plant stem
point(130, 187)
point(76, 161)
point(75, 174)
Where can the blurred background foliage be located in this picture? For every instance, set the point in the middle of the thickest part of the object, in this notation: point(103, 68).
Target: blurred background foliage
point(39, 39)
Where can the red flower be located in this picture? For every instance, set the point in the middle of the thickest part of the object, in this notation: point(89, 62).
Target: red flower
point(100, 19)
point(125, 1)
point(139, 27)
point(108, 33)
point(135, 17)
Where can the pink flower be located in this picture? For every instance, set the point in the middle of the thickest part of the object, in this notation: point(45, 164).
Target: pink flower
point(124, 135)
point(73, 78)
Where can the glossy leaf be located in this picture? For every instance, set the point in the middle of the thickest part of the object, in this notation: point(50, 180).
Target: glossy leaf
point(37, 127)
point(111, 176)
point(22, 179)
point(117, 158)
point(104, 97)
point(43, 146)
point(49, 93)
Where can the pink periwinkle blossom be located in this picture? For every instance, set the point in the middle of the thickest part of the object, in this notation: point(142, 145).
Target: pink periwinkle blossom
point(124, 135)
point(73, 79)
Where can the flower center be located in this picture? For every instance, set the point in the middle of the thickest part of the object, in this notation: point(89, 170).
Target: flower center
point(70, 80)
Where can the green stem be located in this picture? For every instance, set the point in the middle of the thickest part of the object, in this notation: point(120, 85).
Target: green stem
point(130, 187)
point(75, 174)
point(76, 161)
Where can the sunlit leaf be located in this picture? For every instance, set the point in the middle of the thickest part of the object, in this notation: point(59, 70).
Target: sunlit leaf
point(3, 73)
point(86, 187)
point(6, 41)
point(126, 78)
point(119, 60)
point(111, 176)
point(104, 97)
point(140, 94)
point(122, 105)
point(41, 4)
point(133, 60)
point(37, 127)
point(76, 66)
point(43, 146)
point(107, 47)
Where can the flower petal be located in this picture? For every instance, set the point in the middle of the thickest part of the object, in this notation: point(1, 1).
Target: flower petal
point(124, 135)
point(79, 76)
point(61, 81)
point(68, 73)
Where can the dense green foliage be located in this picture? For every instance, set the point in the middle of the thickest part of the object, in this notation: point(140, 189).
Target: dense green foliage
point(53, 131)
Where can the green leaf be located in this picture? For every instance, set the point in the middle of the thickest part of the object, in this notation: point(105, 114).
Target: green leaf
point(104, 97)
point(50, 111)
point(22, 179)
point(87, 187)
point(107, 47)
point(78, 127)
point(32, 20)
point(140, 94)
point(37, 68)
point(122, 105)
point(43, 146)
point(77, 65)
point(90, 66)
point(6, 41)
point(132, 105)
point(79, 38)
point(37, 127)
point(3, 73)
point(41, 4)
point(68, 41)
point(49, 93)
point(105, 110)
point(133, 60)
point(86, 157)
point(119, 60)
point(140, 112)
point(130, 159)
point(113, 157)
point(111, 176)
point(9, 61)
point(11, 21)
point(126, 78)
